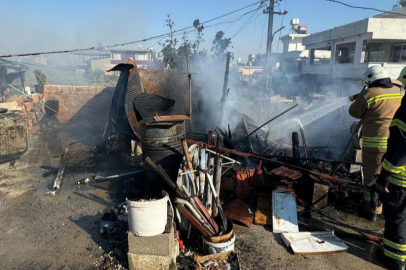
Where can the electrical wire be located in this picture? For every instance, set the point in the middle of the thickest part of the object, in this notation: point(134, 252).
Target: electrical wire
point(137, 41)
point(248, 22)
point(280, 32)
point(365, 8)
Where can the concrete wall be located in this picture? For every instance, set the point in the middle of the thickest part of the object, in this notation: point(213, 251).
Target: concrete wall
point(352, 29)
point(387, 28)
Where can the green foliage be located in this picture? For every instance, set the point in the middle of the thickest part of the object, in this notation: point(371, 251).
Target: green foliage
point(220, 45)
point(184, 55)
point(169, 57)
point(190, 52)
point(168, 52)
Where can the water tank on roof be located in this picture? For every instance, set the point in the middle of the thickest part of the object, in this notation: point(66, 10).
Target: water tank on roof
point(294, 22)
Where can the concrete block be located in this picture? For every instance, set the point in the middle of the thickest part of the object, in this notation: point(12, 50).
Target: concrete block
point(159, 245)
point(151, 262)
point(154, 252)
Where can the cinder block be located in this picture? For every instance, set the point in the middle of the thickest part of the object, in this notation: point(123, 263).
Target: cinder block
point(154, 252)
point(151, 262)
point(159, 245)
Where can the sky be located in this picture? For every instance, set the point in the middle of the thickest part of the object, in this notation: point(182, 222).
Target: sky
point(46, 25)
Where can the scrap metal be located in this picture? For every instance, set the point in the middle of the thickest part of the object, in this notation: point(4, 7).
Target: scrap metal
point(248, 155)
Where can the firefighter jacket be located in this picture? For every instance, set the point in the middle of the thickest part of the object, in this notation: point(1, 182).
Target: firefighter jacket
point(376, 107)
point(394, 162)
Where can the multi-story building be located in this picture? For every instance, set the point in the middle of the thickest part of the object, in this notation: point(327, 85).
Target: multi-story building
point(347, 51)
point(104, 60)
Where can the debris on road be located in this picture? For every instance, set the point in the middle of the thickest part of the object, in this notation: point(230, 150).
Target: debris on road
point(314, 243)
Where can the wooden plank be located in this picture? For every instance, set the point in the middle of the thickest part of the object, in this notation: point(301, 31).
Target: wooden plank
point(188, 159)
point(284, 213)
point(192, 220)
point(171, 118)
point(206, 214)
point(314, 243)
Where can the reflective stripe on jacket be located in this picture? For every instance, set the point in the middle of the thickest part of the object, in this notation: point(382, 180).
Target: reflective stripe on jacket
point(376, 107)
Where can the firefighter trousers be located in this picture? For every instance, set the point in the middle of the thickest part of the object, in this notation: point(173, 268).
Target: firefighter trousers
point(371, 163)
point(394, 207)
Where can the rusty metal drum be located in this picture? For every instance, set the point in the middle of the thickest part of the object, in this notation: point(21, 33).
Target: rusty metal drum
point(160, 142)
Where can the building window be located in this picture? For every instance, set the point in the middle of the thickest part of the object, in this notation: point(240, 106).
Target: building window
point(345, 53)
point(320, 56)
point(115, 56)
point(141, 57)
point(375, 52)
point(399, 53)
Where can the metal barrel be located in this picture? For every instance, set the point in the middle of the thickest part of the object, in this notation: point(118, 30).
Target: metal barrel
point(160, 142)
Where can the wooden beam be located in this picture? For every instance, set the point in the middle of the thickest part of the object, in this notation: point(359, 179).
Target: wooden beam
point(171, 118)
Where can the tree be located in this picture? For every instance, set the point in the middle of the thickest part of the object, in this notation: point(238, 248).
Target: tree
point(184, 55)
point(169, 54)
point(220, 45)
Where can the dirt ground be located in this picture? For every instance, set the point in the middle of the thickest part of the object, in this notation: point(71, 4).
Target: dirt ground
point(43, 232)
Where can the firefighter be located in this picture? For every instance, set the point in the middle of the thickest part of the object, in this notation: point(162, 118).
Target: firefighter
point(402, 76)
point(375, 106)
point(392, 185)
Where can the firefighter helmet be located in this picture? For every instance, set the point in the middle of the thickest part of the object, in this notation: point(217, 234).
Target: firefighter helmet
point(373, 74)
point(402, 76)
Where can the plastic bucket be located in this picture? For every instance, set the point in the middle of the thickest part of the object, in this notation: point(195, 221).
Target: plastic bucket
point(148, 218)
point(213, 248)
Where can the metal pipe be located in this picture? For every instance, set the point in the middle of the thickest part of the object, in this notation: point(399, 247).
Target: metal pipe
point(279, 115)
point(225, 157)
point(192, 210)
point(248, 155)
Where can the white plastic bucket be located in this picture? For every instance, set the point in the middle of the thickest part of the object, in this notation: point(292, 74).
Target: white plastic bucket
point(213, 248)
point(148, 218)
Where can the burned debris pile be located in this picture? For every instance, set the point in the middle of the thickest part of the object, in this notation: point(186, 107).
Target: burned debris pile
point(185, 192)
point(196, 185)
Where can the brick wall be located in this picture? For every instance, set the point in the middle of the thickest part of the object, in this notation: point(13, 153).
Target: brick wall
point(79, 101)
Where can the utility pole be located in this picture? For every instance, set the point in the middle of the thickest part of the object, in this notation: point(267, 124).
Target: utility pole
point(271, 11)
point(268, 67)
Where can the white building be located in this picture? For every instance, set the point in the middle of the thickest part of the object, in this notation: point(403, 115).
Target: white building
point(347, 51)
point(294, 53)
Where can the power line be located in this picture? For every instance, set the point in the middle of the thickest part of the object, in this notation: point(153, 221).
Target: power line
point(42, 66)
point(365, 8)
point(280, 33)
point(248, 22)
point(131, 42)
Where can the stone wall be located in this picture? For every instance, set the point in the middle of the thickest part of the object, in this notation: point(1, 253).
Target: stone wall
point(74, 100)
